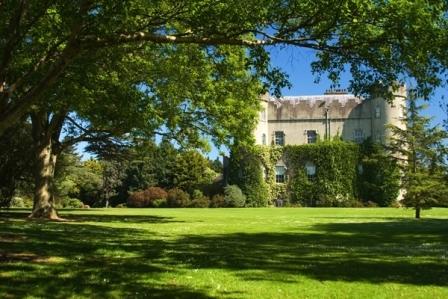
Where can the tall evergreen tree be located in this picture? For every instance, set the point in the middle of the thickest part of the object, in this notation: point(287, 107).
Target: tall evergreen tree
point(420, 152)
point(379, 180)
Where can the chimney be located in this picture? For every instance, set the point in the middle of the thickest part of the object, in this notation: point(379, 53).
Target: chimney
point(335, 91)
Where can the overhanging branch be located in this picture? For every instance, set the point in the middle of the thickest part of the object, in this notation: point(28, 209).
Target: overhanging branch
point(125, 38)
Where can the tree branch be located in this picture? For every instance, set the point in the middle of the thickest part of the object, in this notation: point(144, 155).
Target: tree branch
point(126, 38)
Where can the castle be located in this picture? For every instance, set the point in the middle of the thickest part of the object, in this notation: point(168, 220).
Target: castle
point(295, 120)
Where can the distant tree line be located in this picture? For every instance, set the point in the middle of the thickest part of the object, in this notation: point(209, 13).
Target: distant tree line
point(118, 176)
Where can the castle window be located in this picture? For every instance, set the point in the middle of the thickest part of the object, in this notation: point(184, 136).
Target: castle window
point(377, 112)
point(279, 138)
point(310, 169)
point(311, 136)
point(358, 136)
point(280, 174)
point(263, 115)
point(263, 139)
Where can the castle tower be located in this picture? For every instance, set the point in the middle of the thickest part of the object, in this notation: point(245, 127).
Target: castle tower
point(261, 130)
point(385, 113)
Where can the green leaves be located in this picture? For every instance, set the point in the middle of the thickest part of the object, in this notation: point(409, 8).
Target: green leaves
point(334, 183)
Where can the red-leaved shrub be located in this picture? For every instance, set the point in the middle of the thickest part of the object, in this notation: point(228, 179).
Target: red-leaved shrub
point(137, 200)
point(143, 199)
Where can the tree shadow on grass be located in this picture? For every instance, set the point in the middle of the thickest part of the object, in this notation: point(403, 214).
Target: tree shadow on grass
point(94, 217)
point(59, 260)
point(406, 252)
point(121, 218)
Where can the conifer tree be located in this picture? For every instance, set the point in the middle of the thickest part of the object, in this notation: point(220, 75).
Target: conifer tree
point(420, 152)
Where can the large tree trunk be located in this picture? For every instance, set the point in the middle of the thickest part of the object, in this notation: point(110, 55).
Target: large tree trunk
point(45, 130)
point(44, 175)
point(417, 212)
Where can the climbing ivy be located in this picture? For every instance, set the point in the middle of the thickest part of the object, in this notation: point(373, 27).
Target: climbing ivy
point(335, 180)
point(338, 181)
point(246, 171)
point(268, 156)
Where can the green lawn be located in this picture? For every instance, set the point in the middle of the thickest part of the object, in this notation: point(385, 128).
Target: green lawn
point(226, 253)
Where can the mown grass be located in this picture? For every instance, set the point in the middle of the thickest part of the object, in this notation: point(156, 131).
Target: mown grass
point(226, 253)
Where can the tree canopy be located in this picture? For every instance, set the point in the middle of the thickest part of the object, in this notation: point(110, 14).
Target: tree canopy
point(378, 41)
point(185, 69)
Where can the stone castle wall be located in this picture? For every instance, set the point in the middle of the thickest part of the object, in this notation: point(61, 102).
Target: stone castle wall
point(341, 115)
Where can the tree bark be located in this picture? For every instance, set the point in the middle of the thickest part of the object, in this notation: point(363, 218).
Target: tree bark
point(44, 181)
point(417, 212)
point(46, 138)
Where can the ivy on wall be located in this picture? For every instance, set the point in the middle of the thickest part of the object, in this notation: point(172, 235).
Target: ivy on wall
point(269, 156)
point(246, 171)
point(335, 179)
point(342, 172)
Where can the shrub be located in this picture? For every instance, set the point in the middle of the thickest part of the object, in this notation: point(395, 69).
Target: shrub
point(146, 198)
point(121, 205)
point(153, 193)
point(70, 203)
point(178, 198)
point(234, 197)
point(159, 203)
point(217, 201)
point(197, 194)
point(257, 195)
point(20, 202)
point(352, 204)
point(137, 200)
point(202, 202)
point(199, 200)
point(371, 204)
